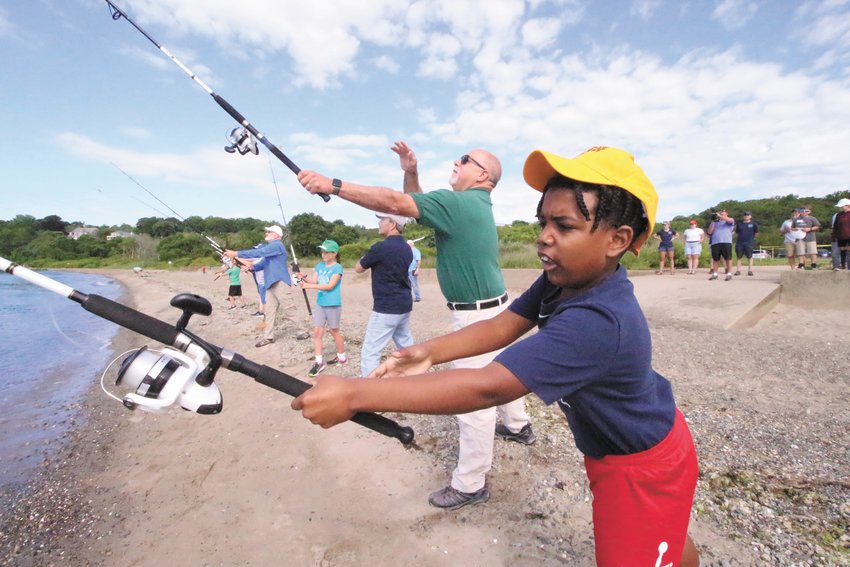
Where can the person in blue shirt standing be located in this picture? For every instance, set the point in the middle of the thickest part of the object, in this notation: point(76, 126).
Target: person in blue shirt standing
point(277, 280)
point(389, 260)
point(413, 270)
point(746, 229)
point(327, 279)
point(720, 230)
point(665, 247)
point(592, 355)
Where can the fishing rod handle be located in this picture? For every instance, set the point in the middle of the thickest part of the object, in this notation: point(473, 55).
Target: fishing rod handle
point(128, 318)
point(287, 384)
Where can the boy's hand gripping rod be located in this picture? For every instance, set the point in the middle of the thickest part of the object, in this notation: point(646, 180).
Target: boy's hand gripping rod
point(240, 141)
point(181, 339)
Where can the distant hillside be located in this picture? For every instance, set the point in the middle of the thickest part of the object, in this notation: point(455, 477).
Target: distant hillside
point(770, 213)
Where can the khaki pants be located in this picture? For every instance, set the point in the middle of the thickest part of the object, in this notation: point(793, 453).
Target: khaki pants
point(279, 296)
point(476, 429)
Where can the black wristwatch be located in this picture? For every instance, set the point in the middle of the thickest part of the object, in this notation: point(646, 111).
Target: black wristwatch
point(337, 184)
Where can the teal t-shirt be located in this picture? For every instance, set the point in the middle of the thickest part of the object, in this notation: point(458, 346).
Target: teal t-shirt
point(332, 297)
point(233, 273)
point(467, 242)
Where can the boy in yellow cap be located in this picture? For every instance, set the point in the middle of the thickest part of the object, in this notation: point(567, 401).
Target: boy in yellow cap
point(592, 355)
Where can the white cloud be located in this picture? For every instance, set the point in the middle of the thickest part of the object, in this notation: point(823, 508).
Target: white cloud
point(6, 28)
point(644, 9)
point(386, 63)
point(734, 14)
point(540, 33)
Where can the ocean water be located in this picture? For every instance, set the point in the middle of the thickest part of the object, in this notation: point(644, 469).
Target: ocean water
point(51, 352)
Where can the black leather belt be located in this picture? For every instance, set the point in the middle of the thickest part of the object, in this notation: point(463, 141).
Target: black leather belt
point(486, 304)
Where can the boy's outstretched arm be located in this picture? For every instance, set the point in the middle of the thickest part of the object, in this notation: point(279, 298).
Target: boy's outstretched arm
point(333, 399)
point(475, 339)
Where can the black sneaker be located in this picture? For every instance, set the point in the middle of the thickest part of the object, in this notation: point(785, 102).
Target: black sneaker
point(450, 499)
point(338, 360)
point(801, 266)
point(318, 367)
point(257, 314)
point(814, 266)
point(525, 435)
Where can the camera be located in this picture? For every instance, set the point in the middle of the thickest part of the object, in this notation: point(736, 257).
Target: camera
point(715, 217)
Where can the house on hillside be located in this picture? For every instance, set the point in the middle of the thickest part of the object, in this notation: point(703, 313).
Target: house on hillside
point(120, 234)
point(82, 231)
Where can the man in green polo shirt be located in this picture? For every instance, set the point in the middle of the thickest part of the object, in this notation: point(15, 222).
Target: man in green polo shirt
point(471, 281)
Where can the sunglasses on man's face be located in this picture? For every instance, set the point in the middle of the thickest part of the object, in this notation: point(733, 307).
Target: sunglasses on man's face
point(466, 158)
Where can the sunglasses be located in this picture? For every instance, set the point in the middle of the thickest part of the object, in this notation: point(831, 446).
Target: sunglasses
point(466, 158)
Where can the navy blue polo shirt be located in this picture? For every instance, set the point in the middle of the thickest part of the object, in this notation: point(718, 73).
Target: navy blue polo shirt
point(593, 355)
point(746, 231)
point(389, 260)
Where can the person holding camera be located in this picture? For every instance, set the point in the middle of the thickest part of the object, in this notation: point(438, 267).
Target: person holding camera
point(720, 230)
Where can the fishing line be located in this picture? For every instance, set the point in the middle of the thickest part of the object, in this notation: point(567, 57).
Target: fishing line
point(216, 246)
point(242, 138)
point(295, 268)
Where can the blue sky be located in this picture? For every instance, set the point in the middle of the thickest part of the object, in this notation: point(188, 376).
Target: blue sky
point(717, 100)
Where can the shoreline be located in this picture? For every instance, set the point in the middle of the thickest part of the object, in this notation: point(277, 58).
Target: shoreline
point(258, 482)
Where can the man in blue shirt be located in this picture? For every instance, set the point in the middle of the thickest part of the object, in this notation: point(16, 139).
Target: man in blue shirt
point(392, 302)
point(720, 230)
point(746, 230)
point(278, 281)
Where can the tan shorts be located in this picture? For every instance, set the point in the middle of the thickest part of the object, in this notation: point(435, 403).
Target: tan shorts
point(791, 249)
point(811, 248)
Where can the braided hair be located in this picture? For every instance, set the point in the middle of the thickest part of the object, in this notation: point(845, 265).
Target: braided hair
point(615, 207)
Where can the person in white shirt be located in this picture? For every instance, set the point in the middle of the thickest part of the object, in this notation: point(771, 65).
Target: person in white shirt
point(792, 238)
point(694, 237)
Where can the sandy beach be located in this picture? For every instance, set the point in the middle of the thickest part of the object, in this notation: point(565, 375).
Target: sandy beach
point(259, 485)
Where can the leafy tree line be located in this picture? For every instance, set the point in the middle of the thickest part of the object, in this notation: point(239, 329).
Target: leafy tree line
point(45, 242)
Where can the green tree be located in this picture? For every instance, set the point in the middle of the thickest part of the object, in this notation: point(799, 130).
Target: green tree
point(166, 227)
point(183, 245)
point(52, 223)
point(308, 231)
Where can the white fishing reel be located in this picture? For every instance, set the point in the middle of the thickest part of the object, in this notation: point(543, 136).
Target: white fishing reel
point(158, 380)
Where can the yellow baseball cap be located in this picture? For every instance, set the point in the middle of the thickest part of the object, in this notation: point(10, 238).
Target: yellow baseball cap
point(600, 165)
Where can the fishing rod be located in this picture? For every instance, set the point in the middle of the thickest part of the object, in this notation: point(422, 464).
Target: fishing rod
point(243, 138)
point(216, 246)
point(184, 372)
point(294, 264)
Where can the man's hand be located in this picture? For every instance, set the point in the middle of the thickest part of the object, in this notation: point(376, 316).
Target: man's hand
point(405, 362)
point(326, 404)
point(406, 157)
point(315, 183)
point(230, 253)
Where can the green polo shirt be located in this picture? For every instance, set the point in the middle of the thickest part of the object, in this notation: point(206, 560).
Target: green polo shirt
point(467, 242)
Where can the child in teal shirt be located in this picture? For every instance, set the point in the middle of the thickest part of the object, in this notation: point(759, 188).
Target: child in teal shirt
point(327, 278)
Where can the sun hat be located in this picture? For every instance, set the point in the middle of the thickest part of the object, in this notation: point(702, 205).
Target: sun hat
point(329, 246)
point(275, 229)
point(842, 202)
point(602, 166)
point(399, 220)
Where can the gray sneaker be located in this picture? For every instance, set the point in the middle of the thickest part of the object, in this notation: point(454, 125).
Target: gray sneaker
point(525, 435)
point(450, 499)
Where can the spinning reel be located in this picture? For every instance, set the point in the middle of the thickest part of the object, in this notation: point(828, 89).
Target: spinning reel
point(241, 141)
point(159, 379)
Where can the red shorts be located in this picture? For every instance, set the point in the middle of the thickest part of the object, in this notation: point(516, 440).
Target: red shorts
point(642, 502)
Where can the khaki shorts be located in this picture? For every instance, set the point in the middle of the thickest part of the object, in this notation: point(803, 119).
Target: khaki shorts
point(791, 249)
point(811, 248)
